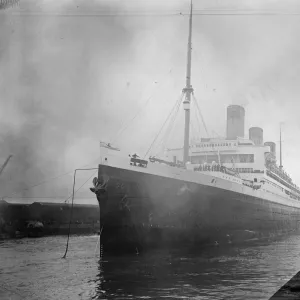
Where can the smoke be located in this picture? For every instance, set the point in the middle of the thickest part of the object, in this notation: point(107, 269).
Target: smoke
point(52, 71)
point(68, 81)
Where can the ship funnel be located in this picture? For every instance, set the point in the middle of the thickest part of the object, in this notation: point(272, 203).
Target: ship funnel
point(272, 146)
point(235, 122)
point(256, 134)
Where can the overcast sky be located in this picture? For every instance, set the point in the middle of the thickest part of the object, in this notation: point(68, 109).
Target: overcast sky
point(69, 79)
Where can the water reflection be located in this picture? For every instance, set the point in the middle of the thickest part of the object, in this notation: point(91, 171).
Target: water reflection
point(34, 268)
point(255, 272)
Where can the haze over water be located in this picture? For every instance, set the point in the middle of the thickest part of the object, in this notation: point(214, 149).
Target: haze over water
point(34, 269)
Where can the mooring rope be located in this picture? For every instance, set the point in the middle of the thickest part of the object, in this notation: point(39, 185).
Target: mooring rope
point(71, 213)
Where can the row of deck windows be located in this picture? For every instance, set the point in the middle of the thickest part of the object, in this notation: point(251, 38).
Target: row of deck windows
point(216, 145)
point(245, 170)
point(224, 158)
point(284, 183)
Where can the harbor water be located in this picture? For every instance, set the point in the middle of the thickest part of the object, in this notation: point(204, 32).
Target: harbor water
point(34, 269)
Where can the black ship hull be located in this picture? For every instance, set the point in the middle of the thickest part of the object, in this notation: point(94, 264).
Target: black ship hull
point(139, 211)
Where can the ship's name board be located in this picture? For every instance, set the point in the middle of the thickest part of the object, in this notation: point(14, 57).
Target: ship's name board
point(215, 146)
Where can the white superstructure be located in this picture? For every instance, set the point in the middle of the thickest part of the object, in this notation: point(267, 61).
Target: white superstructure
point(254, 164)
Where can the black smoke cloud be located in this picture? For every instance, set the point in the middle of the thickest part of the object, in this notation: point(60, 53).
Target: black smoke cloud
point(53, 69)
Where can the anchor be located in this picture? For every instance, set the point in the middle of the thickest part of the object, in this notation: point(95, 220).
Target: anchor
point(99, 187)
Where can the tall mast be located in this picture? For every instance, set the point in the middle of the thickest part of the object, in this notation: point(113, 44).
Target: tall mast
point(188, 90)
point(280, 146)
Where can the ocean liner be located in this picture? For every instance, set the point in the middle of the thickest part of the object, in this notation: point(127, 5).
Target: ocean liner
point(214, 191)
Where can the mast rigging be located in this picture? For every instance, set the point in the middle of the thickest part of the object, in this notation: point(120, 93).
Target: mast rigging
point(5, 164)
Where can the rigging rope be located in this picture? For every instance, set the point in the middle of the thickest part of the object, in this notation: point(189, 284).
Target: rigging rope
point(80, 187)
point(47, 180)
point(198, 108)
point(161, 128)
point(139, 111)
point(172, 123)
point(71, 213)
point(169, 129)
point(197, 120)
point(193, 135)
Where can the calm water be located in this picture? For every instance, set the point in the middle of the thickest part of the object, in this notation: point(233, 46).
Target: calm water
point(34, 269)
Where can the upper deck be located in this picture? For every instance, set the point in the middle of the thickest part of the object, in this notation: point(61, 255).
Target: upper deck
point(240, 153)
point(243, 156)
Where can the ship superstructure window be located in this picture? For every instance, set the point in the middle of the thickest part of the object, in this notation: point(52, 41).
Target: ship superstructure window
point(243, 158)
point(224, 158)
point(214, 145)
point(201, 159)
point(237, 158)
point(245, 170)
